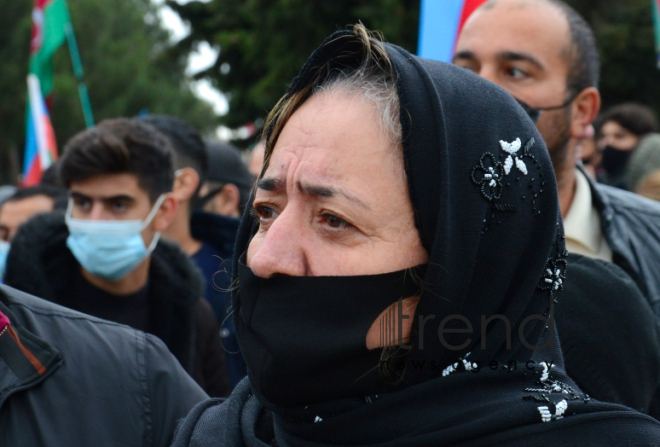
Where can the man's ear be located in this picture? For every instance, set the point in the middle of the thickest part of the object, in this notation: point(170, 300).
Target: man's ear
point(165, 214)
point(226, 202)
point(584, 109)
point(185, 184)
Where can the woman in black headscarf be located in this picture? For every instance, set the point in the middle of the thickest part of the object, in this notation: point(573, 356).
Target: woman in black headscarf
point(398, 270)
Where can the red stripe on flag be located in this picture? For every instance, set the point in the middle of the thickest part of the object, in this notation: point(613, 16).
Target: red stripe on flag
point(468, 8)
point(33, 176)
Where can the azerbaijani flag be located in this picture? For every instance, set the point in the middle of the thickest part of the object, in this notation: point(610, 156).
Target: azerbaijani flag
point(656, 23)
point(50, 19)
point(40, 145)
point(440, 24)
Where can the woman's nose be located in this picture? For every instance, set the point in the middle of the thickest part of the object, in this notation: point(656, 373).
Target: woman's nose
point(281, 250)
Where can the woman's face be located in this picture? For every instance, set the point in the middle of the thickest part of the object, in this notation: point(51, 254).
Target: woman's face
point(334, 199)
point(617, 136)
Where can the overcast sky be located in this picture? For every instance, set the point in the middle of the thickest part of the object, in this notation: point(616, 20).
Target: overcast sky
point(201, 59)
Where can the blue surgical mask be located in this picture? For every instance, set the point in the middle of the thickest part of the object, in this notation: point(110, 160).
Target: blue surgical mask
point(4, 251)
point(110, 249)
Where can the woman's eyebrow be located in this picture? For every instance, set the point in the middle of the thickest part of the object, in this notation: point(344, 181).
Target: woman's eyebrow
point(277, 185)
point(271, 184)
point(328, 191)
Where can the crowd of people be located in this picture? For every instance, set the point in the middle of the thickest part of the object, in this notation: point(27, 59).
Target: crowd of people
point(415, 254)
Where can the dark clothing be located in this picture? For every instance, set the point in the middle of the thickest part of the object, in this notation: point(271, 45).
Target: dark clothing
point(631, 225)
point(131, 310)
point(214, 259)
point(212, 264)
point(609, 335)
point(420, 416)
point(88, 381)
point(485, 204)
point(40, 263)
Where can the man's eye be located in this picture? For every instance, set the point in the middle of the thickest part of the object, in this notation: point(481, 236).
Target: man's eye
point(82, 204)
point(516, 73)
point(467, 66)
point(119, 206)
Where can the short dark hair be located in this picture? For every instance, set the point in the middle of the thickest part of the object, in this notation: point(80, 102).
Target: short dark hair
point(633, 117)
point(189, 149)
point(59, 195)
point(584, 64)
point(120, 146)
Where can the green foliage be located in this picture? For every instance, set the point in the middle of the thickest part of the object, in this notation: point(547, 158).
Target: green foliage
point(265, 42)
point(126, 70)
point(625, 37)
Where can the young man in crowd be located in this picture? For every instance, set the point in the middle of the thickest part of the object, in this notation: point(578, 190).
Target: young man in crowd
point(208, 238)
point(68, 378)
point(104, 257)
point(544, 54)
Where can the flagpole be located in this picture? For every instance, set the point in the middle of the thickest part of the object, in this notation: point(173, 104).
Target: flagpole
point(78, 72)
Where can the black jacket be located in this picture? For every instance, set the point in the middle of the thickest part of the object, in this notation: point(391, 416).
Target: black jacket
point(631, 225)
point(220, 232)
point(609, 336)
point(39, 263)
point(76, 380)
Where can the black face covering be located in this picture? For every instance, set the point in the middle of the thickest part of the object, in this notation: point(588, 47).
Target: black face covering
point(535, 112)
point(614, 160)
point(317, 350)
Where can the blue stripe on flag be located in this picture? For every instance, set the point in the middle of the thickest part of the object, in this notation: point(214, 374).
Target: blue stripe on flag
point(30, 155)
point(438, 24)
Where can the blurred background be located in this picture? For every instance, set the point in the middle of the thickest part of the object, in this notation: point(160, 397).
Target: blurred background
point(222, 64)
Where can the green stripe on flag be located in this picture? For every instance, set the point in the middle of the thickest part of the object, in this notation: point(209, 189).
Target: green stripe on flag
point(55, 20)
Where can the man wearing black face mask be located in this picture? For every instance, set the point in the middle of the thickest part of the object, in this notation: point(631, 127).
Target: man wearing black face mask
point(544, 54)
point(619, 130)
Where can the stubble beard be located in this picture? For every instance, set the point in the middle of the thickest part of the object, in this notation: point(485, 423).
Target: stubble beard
point(557, 135)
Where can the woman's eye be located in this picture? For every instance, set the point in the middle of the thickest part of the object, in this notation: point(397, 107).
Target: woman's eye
point(334, 222)
point(263, 213)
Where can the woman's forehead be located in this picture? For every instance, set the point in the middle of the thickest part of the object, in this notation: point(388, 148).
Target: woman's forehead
point(333, 137)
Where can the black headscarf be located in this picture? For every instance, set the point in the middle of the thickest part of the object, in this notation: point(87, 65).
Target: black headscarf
point(486, 207)
point(485, 201)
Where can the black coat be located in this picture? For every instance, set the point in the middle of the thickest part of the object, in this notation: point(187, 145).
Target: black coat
point(631, 225)
point(609, 335)
point(39, 263)
point(102, 384)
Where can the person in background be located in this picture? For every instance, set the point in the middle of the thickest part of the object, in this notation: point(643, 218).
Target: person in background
point(27, 202)
point(544, 54)
point(643, 170)
point(227, 188)
point(619, 130)
point(104, 256)
point(223, 197)
point(207, 239)
point(73, 379)
point(24, 203)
